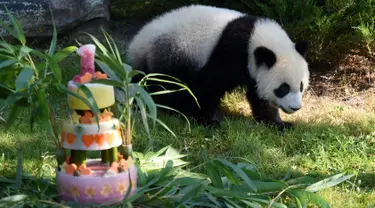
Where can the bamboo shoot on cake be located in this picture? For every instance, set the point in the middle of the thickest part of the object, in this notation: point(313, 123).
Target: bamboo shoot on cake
point(78, 157)
point(113, 155)
point(105, 156)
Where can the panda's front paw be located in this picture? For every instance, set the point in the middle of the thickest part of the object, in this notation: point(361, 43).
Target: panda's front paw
point(283, 126)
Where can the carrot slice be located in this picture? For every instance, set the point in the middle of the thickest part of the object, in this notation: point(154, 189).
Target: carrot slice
point(88, 139)
point(71, 138)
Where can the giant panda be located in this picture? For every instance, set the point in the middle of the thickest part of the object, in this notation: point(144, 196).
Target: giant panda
point(215, 50)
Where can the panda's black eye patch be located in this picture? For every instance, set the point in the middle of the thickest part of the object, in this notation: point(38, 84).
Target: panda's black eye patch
point(301, 87)
point(282, 90)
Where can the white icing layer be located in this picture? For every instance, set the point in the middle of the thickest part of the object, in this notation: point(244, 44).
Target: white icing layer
point(89, 137)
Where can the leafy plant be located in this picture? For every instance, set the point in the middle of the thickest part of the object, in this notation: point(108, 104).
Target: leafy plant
point(224, 184)
point(26, 76)
point(131, 98)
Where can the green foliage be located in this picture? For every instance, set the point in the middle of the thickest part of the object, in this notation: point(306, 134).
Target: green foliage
point(163, 181)
point(328, 25)
point(26, 74)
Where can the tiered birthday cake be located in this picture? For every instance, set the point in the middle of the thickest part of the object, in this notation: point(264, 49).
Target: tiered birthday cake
point(101, 180)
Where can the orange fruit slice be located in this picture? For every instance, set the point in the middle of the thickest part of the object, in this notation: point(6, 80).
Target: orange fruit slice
point(84, 170)
point(88, 139)
point(69, 169)
point(71, 138)
point(100, 75)
point(87, 77)
point(100, 138)
point(86, 118)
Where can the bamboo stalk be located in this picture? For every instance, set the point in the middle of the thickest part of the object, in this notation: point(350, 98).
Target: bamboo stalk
point(78, 157)
point(105, 156)
point(113, 154)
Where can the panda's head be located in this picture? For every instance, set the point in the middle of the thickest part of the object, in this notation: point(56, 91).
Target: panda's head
point(279, 67)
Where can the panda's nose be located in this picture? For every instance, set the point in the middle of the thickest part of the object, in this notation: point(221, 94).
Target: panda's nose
point(295, 109)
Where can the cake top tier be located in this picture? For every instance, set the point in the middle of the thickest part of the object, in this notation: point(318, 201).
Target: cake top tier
point(87, 54)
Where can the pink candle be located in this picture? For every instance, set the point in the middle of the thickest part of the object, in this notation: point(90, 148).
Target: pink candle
point(87, 53)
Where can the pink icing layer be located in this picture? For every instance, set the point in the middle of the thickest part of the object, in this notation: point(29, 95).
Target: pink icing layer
point(87, 53)
point(95, 188)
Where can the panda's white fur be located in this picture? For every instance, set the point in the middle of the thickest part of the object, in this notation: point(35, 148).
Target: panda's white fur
point(196, 30)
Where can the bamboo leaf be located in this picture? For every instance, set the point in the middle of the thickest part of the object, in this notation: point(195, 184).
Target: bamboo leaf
point(305, 196)
point(24, 51)
point(162, 92)
point(62, 54)
point(17, 27)
point(7, 63)
point(163, 125)
point(23, 78)
point(89, 97)
point(268, 202)
point(213, 199)
point(189, 192)
point(232, 203)
point(328, 182)
point(214, 175)
point(251, 204)
point(240, 172)
point(99, 44)
point(262, 187)
point(7, 28)
point(106, 36)
point(43, 103)
point(143, 115)
point(107, 70)
point(92, 104)
point(55, 69)
point(114, 51)
point(147, 100)
point(54, 36)
point(133, 73)
point(227, 172)
point(11, 200)
point(8, 46)
point(148, 77)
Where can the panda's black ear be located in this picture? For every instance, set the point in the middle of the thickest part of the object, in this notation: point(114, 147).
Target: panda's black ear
point(264, 55)
point(302, 47)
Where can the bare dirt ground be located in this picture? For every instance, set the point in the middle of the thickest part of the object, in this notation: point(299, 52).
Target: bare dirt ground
point(351, 82)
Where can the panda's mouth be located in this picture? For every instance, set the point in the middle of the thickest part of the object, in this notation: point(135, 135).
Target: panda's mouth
point(282, 108)
point(285, 111)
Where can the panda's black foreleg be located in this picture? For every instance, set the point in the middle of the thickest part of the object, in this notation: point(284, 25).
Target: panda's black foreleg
point(208, 101)
point(264, 112)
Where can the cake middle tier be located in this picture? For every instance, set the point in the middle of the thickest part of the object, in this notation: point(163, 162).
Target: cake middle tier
point(78, 136)
point(104, 95)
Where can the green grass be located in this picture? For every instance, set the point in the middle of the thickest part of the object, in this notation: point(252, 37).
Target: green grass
point(331, 137)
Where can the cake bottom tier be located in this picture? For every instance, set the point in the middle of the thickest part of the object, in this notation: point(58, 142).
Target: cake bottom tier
point(96, 188)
